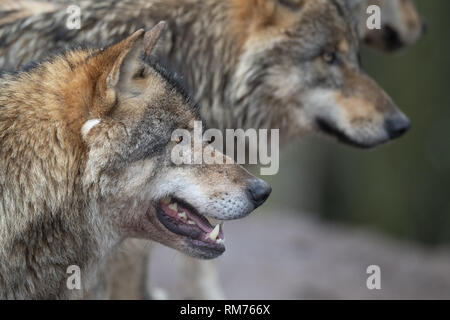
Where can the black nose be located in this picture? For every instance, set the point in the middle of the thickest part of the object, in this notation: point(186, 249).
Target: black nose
point(397, 125)
point(259, 191)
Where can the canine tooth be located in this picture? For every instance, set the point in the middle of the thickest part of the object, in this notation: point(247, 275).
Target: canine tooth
point(166, 201)
point(182, 215)
point(213, 235)
point(191, 222)
point(219, 241)
point(174, 207)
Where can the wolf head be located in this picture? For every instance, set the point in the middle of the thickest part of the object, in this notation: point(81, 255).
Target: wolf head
point(119, 112)
point(300, 63)
point(401, 24)
point(130, 149)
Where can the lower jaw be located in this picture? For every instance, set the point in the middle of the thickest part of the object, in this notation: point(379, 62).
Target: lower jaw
point(331, 131)
point(359, 145)
point(196, 248)
point(203, 250)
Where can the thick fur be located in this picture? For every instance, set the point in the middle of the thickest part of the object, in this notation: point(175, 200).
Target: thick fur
point(85, 159)
point(249, 63)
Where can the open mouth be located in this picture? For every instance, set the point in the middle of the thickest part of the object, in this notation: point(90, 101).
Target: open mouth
point(184, 220)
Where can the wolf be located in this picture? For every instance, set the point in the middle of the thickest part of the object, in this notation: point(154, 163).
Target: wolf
point(85, 162)
point(293, 65)
point(401, 24)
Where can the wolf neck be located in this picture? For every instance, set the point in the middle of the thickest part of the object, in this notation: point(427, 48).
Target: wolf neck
point(41, 245)
point(45, 225)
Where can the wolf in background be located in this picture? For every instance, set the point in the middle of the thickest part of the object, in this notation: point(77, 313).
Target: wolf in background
point(85, 162)
point(288, 64)
point(401, 24)
point(240, 59)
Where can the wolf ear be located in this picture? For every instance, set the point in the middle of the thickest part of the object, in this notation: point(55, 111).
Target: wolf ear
point(116, 66)
point(133, 49)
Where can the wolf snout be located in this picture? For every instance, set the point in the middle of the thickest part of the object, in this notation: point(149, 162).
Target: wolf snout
point(397, 125)
point(258, 191)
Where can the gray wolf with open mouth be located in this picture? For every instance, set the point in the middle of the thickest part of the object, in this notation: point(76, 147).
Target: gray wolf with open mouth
point(287, 64)
point(85, 162)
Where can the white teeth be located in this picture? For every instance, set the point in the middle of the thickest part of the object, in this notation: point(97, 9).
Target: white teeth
point(191, 222)
point(166, 200)
point(174, 207)
point(182, 215)
point(219, 241)
point(213, 235)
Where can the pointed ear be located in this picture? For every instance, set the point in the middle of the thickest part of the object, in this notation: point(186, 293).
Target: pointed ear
point(131, 53)
point(152, 37)
point(115, 67)
point(123, 59)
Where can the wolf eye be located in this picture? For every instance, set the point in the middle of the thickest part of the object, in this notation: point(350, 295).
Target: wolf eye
point(330, 57)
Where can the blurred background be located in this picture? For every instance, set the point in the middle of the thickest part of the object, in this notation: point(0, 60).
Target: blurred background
point(401, 189)
point(335, 210)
